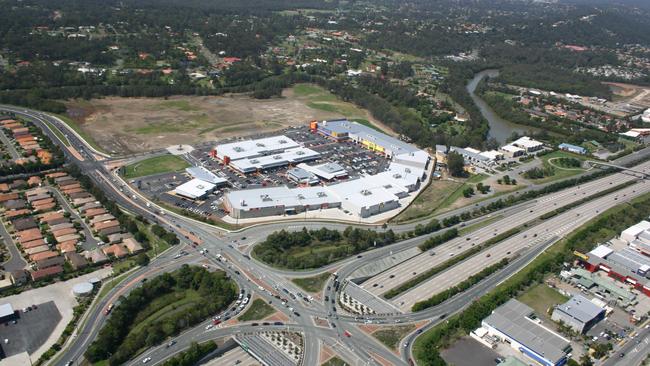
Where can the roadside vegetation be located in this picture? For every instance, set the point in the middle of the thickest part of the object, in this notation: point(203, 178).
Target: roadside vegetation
point(308, 249)
point(161, 307)
point(192, 355)
point(427, 347)
point(258, 310)
point(312, 284)
point(335, 361)
point(155, 165)
point(391, 336)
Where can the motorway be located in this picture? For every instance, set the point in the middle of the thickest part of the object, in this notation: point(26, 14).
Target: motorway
point(262, 281)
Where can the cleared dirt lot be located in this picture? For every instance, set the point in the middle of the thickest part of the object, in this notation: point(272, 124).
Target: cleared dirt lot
point(126, 125)
point(630, 93)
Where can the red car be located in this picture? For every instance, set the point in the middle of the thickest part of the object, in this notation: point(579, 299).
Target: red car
point(216, 321)
point(347, 334)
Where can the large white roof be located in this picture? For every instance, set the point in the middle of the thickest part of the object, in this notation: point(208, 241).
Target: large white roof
point(357, 130)
point(6, 310)
point(419, 157)
point(202, 173)
point(511, 148)
point(601, 251)
point(406, 170)
point(363, 192)
point(194, 188)
point(250, 148)
point(328, 171)
point(283, 158)
point(636, 229)
point(526, 142)
point(249, 199)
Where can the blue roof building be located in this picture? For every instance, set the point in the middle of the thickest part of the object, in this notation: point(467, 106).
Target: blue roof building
point(572, 148)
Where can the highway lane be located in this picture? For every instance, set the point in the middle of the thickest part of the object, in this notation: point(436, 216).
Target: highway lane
point(633, 352)
point(397, 275)
point(218, 239)
point(558, 226)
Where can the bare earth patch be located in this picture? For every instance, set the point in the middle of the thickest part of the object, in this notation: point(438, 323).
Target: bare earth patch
point(128, 125)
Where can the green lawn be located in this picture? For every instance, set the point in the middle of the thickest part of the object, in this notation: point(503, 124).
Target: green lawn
point(302, 90)
point(321, 99)
point(560, 172)
point(258, 310)
point(156, 165)
point(541, 297)
point(429, 200)
point(392, 335)
point(312, 284)
point(458, 193)
point(478, 225)
point(165, 307)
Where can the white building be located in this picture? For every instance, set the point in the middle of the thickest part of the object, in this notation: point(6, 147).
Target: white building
point(273, 201)
point(646, 116)
point(515, 324)
point(195, 189)
point(199, 172)
point(292, 156)
point(327, 171)
point(253, 148)
point(512, 151)
point(528, 144)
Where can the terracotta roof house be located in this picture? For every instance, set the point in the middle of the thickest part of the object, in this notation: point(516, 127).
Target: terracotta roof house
point(47, 272)
point(116, 250)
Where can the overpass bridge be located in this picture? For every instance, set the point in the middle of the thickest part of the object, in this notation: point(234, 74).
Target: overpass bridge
point(639, 173)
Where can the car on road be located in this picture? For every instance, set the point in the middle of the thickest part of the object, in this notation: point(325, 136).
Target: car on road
point(146, 359)
point(209, 326)
point(171, 343)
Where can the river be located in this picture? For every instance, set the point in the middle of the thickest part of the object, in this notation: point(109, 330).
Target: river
point(500, 129)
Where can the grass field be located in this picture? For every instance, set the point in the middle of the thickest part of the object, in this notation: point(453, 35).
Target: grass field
point(312, 284)
point(429, 200)
point(258, 310)
point(560, 172)
point(541, 297)
point(156, 165)
point(128, 125)
point(392, 335)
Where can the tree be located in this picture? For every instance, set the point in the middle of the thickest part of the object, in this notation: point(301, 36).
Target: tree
point(456, 164)
point(142, 259)
point(468, 192)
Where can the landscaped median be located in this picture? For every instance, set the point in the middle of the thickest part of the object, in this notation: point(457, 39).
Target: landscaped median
point(427, 347)
point(162, 307)
point(394, 292)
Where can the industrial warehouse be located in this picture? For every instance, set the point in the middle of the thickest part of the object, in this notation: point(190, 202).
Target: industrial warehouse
point(625, 258)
